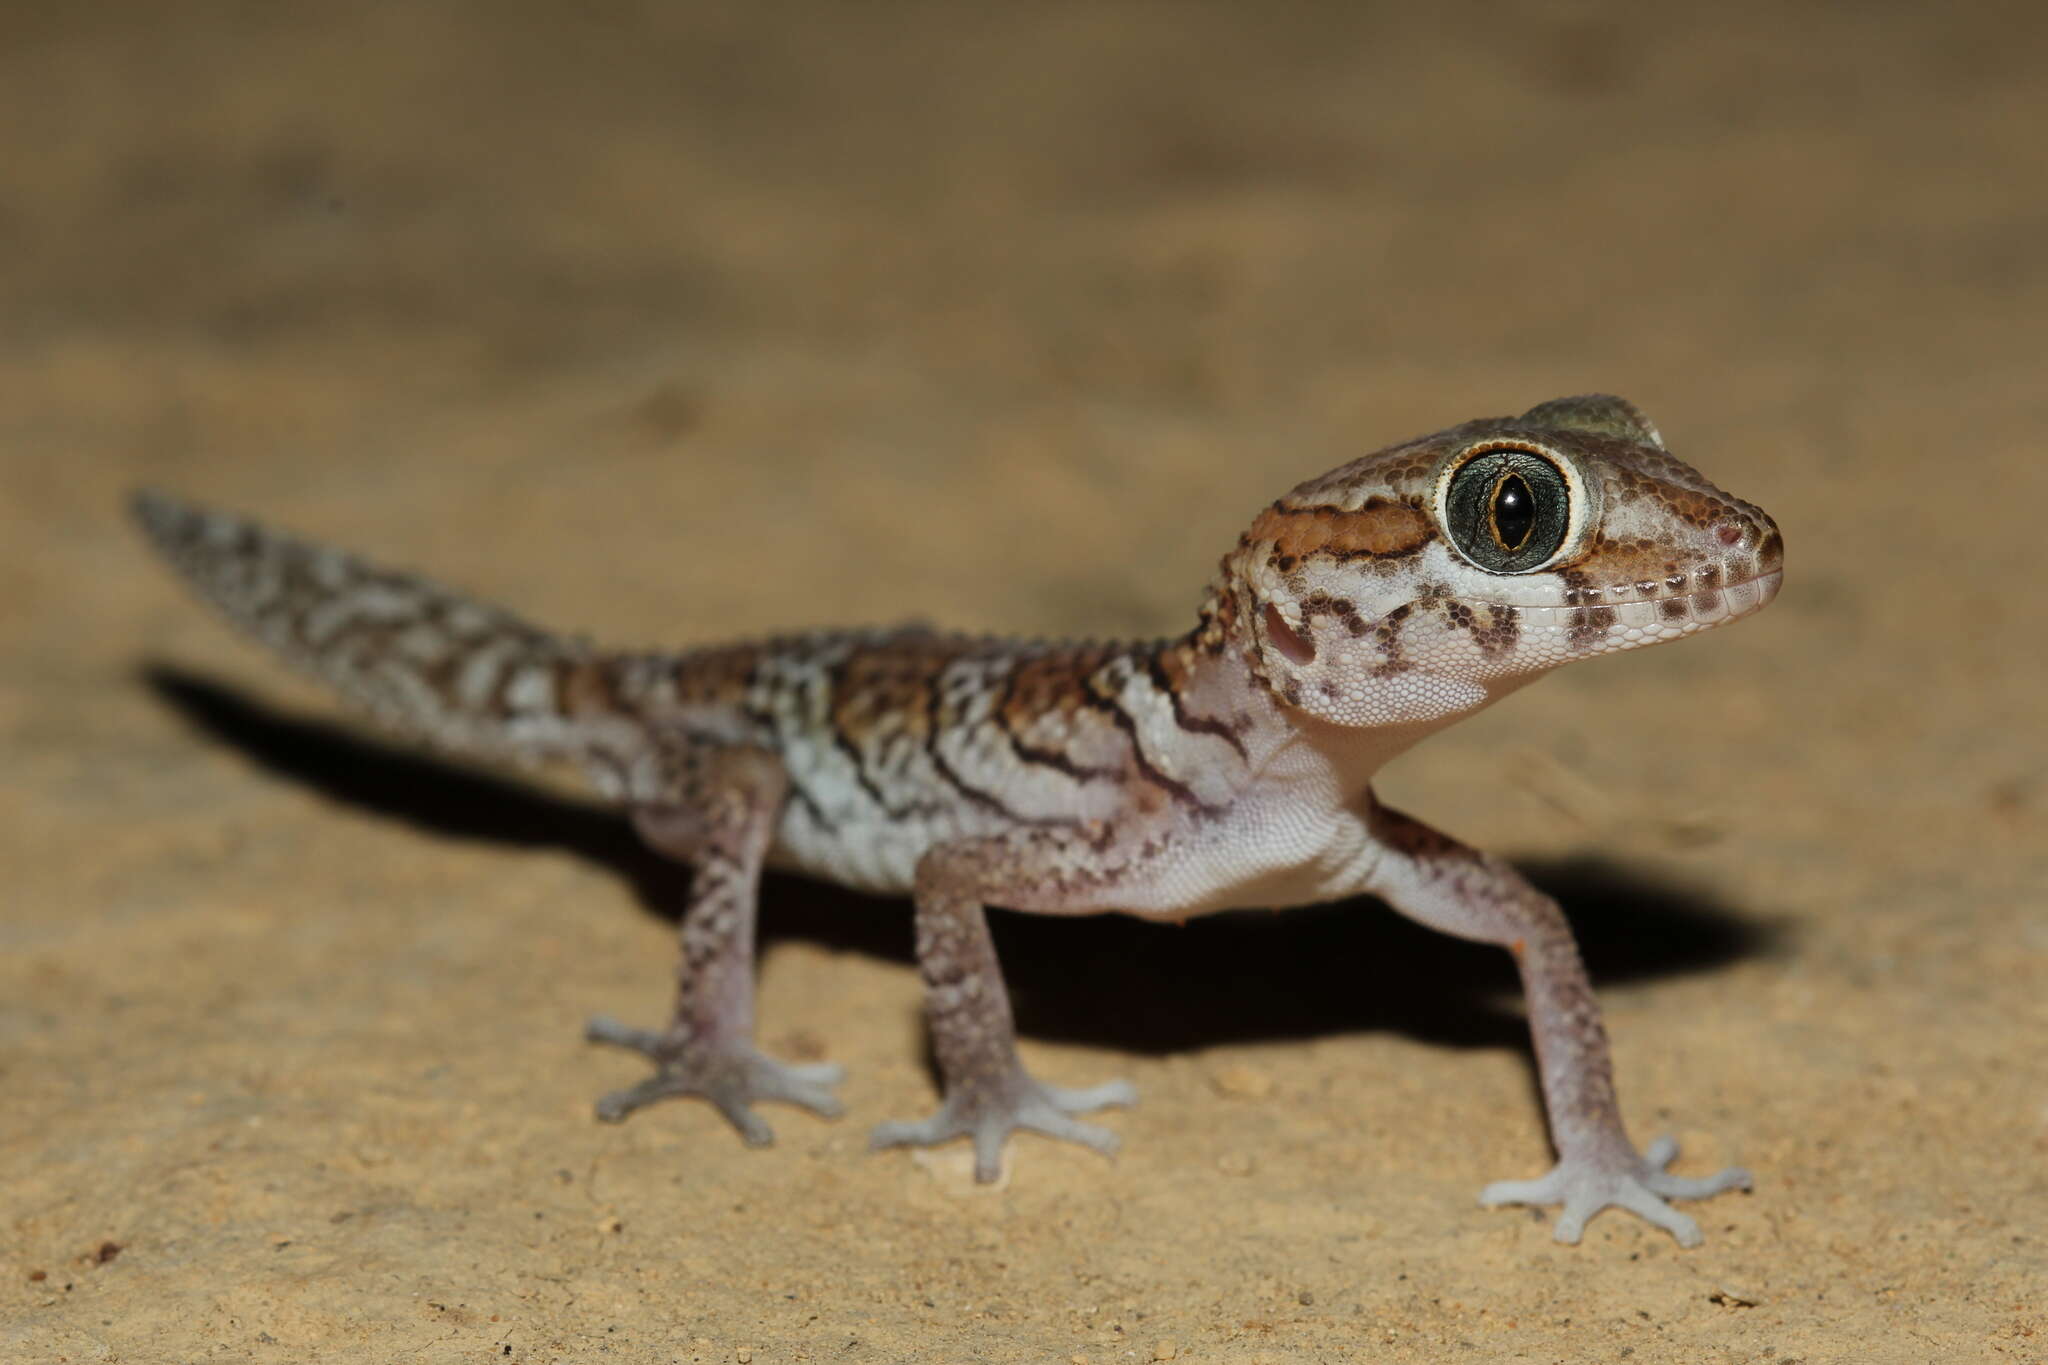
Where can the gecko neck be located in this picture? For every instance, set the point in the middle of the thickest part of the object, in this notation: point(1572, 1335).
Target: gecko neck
point(1217, 666)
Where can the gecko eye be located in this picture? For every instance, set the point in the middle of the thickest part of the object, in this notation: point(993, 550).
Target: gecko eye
point(1507, 510)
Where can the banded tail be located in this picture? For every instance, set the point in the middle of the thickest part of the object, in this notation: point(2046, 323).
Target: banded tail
point(462, 675)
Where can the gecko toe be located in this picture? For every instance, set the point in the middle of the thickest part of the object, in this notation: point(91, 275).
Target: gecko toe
point(752, 1128)
point(1638, 1199)
point(1542, 1191)
point(1068, 1129)
point(809, 1086)
point(1683, 1187)
point(989, 1140)
point(815, 1073)
point(1664, 1151)
point(912, 1132)
point(605, 1029)
point(614, 1106)
point(1570, 1226)
point(1108, 1095)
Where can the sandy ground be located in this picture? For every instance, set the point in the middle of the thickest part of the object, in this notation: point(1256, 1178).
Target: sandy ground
point(667, 325)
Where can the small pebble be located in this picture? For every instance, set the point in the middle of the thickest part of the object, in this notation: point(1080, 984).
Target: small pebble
point(1241, 1082)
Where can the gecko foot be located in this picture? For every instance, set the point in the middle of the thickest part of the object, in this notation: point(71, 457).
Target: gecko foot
point(989, 1111)
point(1587, 1184)
point(733, 1077)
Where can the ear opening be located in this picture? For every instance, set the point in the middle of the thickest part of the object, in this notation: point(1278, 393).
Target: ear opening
point(1294, 647)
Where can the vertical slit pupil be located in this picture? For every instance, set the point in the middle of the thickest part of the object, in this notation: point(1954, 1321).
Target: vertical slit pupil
point(1514, 512)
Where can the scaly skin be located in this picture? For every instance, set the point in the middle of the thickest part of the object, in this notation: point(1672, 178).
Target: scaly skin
point(1227, 767)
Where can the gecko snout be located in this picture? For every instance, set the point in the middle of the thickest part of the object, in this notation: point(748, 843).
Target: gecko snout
point(1755, 547)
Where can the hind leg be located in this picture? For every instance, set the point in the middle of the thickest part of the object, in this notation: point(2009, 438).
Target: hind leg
point(720, 815)
point(988, 1093)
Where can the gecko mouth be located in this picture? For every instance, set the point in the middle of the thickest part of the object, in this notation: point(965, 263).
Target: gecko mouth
point(1731, 587)
point(1602, 620)
point(1729, 573)
point(1637, 613)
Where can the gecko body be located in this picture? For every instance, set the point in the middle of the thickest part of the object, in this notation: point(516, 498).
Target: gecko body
point(1229, 766)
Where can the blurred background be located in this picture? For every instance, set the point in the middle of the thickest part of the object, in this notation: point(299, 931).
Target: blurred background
point(667, 322)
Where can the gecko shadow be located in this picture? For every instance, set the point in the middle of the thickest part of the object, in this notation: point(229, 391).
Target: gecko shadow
point(1108, 980)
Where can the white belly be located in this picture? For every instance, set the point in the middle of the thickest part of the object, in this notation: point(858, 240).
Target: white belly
point(1264, 854)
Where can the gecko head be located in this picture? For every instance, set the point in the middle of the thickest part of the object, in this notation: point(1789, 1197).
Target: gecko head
point(1425, 580)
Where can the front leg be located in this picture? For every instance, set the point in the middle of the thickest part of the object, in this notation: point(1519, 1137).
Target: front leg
point(988, 1094)
point(1439, 882)
point(716, 808)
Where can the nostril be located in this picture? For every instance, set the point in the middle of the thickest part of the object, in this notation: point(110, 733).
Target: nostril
point(1729, 533)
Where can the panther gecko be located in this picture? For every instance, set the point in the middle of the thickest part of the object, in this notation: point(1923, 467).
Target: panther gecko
point(1225, 767)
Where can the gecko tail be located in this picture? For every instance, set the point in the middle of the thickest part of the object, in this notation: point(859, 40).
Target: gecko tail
point(464, 676)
